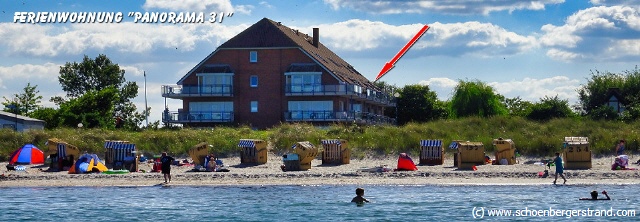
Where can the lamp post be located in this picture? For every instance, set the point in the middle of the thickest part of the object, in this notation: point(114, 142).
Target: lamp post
point(396, 95)
point(144, 73)
point(15, 109)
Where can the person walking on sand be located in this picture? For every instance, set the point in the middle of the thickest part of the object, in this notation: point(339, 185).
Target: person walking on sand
point(620, 148)
point(166, 166)
point(559, 168)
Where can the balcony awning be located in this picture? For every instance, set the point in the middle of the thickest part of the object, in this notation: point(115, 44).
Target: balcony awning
point(304, 67)
point(215, 68)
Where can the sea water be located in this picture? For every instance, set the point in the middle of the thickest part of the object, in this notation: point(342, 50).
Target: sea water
point(319, 203)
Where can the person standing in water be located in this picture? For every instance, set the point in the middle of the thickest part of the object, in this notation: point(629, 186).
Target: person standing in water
point(559, 168)
point(359, 198)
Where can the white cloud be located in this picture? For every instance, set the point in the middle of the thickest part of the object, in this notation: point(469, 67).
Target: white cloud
point(595, 34)
point(132, 70)
point(244, 9)
point(615, 2)
point(51, 41)
point(45, 72)
point(453, 39)
point(529, 89)
point(440, 6)
point(265, 4)
point(533, 89)
point(198, 6)
point(440, 82)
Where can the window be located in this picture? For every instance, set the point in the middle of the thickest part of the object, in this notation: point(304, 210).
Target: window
point(253, 81)
point(253, 56)
point(210, 110)
point(304, 82)
point(311, 109)
point(215, 83)
point(254, 106)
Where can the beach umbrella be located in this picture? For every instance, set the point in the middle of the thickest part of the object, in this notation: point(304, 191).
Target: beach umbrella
point(28, 154)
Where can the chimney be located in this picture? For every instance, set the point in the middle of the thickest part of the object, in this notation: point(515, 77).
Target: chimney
point(316, 37)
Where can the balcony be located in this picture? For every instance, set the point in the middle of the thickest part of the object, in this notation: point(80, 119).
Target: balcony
point(197, 117)
point(332, 116)
point(350, 90)
point(181, 91)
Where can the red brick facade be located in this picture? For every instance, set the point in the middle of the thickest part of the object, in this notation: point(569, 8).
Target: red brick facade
point(270, 68)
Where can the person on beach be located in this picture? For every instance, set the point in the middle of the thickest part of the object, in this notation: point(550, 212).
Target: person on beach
point(359, 196)
point(594, 196)
point(620, 148)
point(559, 168)
point(166, 166)
point(211, 163)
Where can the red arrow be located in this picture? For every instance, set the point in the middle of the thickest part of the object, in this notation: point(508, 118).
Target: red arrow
point(389, 65)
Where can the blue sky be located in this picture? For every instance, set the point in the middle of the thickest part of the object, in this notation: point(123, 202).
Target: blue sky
point(525, 48)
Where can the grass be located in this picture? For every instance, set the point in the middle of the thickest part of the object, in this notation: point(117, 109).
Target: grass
point(531, 138)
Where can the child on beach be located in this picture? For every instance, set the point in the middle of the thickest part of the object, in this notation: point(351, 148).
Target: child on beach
point(620, 148)
point(559, 168)
point(359, 196)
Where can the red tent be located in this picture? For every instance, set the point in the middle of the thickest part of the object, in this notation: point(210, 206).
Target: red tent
point(28, 154)
point(406, 163)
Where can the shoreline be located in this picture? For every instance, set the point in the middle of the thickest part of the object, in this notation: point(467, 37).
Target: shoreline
point(354, 173)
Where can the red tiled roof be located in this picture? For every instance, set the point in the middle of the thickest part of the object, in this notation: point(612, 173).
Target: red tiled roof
point(270, 34)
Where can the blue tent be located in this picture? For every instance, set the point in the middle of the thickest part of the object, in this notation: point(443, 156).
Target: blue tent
point(87, 163)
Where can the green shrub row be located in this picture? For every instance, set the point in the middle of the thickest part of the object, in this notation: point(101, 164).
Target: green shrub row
point(531, 138)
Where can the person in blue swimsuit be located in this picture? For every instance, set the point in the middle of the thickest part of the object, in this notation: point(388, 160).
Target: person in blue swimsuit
point(620, 148)
point(559, 168)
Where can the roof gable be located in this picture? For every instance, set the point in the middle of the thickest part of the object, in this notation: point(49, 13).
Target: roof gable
point(267, 33)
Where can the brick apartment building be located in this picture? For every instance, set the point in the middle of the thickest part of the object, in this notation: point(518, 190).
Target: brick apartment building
point(269, 74)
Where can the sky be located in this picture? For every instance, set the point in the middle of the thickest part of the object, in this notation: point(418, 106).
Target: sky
point(522, 48)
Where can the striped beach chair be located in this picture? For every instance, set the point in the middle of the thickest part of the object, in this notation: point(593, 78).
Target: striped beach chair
point(335, 151)
point(109, 150)
point(60, 151)
point(432, 152)
point(252, 151)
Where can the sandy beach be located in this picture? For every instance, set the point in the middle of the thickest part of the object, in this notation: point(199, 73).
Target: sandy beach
point(354, 173)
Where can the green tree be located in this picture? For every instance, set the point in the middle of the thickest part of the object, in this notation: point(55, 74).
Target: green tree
point(594, 94)
point(516, 106)
point(389, 91)
point(95, 75)
point(27, 101)
point(475, 99)
point(417, 103)
point(92, 109)
point(47, 114)
point(549, 108)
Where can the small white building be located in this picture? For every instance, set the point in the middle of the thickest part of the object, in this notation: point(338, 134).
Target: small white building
point(20, 123)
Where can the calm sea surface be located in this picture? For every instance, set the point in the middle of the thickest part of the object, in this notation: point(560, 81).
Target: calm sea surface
point(316, 203)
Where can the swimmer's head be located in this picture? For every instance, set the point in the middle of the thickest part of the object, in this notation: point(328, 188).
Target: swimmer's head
point(359, 191)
